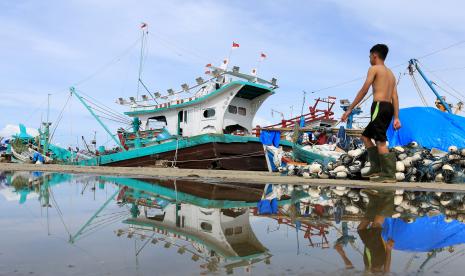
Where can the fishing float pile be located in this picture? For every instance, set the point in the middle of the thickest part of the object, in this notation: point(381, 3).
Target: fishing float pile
point(414, 164)
point(407, 205)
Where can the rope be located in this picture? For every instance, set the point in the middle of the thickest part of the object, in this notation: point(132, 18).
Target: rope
point(395, 66)
point(60, 214)
point(108, 64)
point(106, 110)
point(415, 83)
point(442, 49)
point(257, 153)
point(173, 164)
point(60, 116)
point(447, 84)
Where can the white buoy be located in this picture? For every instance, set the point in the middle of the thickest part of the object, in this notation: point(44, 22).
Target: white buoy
point(400, 167)
point(413, 144)
point(365, 170)
point(402, 156)
point(341, 175)
point(399, 149)
point(352, 209)
point(416, 157)
point(340, 169)
point(315, 168)
point(405, 204)
point(427, 162)
point(398, 200)
point(448, 219)
point(452, 149)
point(407, 162)
point(400, 176)
point(355, 153)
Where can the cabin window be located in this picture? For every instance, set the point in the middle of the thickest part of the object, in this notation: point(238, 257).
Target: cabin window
point(238, 230)
point(205, 226)
point(228, 232)
point(232, 109)
point(185, 116)
point(242, 111)
point(156, 122)
point(209, 112)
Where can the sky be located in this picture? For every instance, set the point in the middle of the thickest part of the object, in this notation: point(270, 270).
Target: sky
point(48, 46)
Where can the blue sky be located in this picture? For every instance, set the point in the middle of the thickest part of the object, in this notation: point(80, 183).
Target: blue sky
point(47, 46)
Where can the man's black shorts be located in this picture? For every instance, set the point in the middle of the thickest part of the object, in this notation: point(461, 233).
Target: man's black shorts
point(381, 117)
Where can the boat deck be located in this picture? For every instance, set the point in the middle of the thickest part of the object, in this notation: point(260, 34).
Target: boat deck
point(238, 177)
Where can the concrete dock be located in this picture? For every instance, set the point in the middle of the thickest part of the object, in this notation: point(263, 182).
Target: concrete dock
point(240, 177)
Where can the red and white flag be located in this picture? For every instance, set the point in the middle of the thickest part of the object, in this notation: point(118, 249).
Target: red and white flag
point(143, 25)
point(235, 45)
point(208, 65)
point(262, 56)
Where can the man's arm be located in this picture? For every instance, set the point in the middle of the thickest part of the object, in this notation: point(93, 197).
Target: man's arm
point(395, 103)
point(363, 91)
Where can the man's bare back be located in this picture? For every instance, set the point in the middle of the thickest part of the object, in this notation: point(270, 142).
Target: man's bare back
point(383, 84)
point(385, 108)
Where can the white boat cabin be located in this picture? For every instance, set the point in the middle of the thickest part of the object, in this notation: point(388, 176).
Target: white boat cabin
point(224, 104)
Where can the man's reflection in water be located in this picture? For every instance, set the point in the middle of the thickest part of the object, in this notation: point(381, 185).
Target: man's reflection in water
point(377, 252)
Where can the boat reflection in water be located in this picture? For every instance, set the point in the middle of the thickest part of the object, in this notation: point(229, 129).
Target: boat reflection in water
point(210, 224)
point(217, 228)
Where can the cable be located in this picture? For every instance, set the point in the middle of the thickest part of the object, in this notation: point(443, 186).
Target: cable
point(442, 49)
point(395, 66)
point(417, 87)
point(448, 85)
point(108, 64)
point(60, 116)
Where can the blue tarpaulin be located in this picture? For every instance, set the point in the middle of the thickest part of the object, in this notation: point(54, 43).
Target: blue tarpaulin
point(270, 137)
point(429, 127)
point(424, 234)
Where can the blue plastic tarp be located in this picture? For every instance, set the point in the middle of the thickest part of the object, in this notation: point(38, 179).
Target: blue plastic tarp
point(270, 137)
point(429, 127)
point(424, 234)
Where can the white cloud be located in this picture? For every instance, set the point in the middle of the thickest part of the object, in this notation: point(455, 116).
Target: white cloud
point(10, 129)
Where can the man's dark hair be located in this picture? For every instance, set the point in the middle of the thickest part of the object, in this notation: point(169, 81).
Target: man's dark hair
point(380, 49)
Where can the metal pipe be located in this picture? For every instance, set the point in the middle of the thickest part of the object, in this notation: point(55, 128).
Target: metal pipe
point(73, 91)
point(414, 62)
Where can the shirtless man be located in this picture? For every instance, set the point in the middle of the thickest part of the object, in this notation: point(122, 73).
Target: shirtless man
point(385, 106)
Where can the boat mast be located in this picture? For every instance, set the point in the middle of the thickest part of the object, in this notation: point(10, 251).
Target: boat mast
point(414, 62)
point(73, 92)
point(47, 127)
point(144, 29)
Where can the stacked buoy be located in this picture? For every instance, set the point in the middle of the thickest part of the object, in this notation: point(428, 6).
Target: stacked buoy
point(414, 164)
point(406, 204)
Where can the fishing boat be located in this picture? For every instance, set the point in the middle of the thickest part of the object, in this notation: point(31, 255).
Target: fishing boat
point(210, 129)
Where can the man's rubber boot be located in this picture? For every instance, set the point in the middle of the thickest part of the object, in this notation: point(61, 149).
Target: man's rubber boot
point(373, 157)
point(388, 169)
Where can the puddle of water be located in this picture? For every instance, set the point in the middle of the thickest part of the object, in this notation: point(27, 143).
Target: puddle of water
point(62, 224)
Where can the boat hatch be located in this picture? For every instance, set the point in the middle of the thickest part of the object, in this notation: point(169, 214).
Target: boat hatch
point(251, 92)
